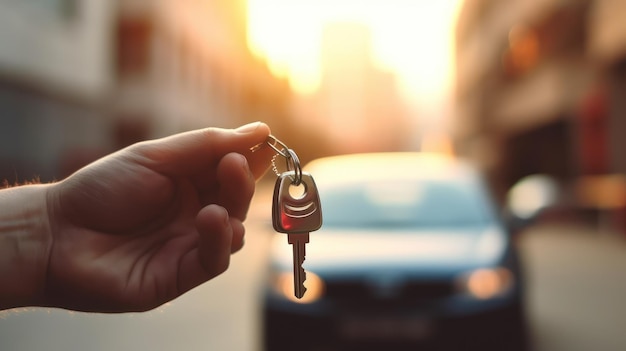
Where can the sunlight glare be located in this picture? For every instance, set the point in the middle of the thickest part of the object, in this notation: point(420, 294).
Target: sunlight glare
point(412, 38)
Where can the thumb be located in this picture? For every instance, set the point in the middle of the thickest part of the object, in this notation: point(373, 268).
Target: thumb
point(183, 153)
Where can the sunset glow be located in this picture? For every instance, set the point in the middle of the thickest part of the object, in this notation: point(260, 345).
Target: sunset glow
point(412, 38)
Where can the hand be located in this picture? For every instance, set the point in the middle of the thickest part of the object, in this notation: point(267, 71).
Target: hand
point(142, 226)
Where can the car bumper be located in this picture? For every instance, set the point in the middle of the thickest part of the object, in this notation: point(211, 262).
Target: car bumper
point(449, 325)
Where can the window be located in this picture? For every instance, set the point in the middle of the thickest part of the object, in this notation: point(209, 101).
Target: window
point(133, 46)
point(63, 9)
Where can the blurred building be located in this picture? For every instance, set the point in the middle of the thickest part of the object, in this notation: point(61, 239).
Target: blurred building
point(541, 88)
point(79, 79)
point(55, 70)
point(185, 64)
point(357, 104)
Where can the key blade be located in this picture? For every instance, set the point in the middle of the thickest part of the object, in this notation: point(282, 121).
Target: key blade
point(298, 242)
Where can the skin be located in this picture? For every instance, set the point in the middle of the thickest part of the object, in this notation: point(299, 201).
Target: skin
point(135, 229)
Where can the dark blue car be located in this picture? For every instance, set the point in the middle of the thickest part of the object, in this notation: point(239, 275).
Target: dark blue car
point(412, 253)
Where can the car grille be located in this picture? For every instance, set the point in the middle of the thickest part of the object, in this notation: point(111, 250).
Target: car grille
point(364, 290)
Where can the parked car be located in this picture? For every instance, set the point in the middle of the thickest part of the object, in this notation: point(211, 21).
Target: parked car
point(412, 252)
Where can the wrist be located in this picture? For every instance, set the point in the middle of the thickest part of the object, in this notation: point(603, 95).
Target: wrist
point(24, 245)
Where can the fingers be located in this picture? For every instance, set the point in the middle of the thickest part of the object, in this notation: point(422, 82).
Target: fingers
point(220, 225)
point(186, 153)
point(236, 185)
point(238, 235)
point(219, 236)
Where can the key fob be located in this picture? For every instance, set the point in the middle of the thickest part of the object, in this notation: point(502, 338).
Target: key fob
point(301, 214)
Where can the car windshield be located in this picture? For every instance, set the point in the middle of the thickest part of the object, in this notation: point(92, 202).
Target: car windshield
point(405, 204)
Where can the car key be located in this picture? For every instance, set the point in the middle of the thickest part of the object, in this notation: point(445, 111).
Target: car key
point(296, 216)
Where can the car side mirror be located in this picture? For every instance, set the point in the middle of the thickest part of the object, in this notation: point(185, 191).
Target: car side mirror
point(529, 198)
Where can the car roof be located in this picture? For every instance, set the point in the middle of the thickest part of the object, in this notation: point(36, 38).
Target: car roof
point(391, 166)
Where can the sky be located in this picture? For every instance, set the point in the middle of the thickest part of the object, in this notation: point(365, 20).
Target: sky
point(411, 38)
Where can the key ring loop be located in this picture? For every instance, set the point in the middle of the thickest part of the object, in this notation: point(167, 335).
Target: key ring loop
point(297, 168)
point(291, 159)
point(272, 141)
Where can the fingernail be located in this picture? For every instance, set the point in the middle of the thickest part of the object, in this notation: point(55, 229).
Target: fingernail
point(224, 214)
point(243, 161)
point(245, 166)
point(226, 218)
point(248, 128)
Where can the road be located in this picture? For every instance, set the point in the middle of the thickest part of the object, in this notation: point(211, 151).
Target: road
point(576, 289)
point(577, 285)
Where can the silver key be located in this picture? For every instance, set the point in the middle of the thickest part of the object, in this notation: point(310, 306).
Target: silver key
point(298, 243)
point(297, 217)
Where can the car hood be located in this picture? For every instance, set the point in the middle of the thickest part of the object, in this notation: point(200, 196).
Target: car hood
point(420, 252)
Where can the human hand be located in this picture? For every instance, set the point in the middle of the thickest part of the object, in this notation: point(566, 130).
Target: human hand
point(142, 226)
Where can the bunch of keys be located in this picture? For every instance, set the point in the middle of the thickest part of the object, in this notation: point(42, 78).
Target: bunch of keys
point(295, 216)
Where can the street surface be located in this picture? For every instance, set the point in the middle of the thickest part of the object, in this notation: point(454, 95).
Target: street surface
point(576, 286)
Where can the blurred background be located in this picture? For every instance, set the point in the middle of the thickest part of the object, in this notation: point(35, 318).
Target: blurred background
point(520, 87)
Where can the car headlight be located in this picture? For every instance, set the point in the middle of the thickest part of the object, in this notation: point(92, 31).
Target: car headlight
point(487, 283)
point(282, 284)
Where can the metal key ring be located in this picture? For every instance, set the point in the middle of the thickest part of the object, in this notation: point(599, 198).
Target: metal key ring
point(294, 161)
point(291, 159)
point(272, 141)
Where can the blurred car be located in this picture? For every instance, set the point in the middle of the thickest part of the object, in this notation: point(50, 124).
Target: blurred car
point(412, 252)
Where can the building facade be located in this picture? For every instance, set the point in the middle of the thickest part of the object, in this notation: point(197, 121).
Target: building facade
point(55, 70)
point(539, 88)
point(79, 79)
